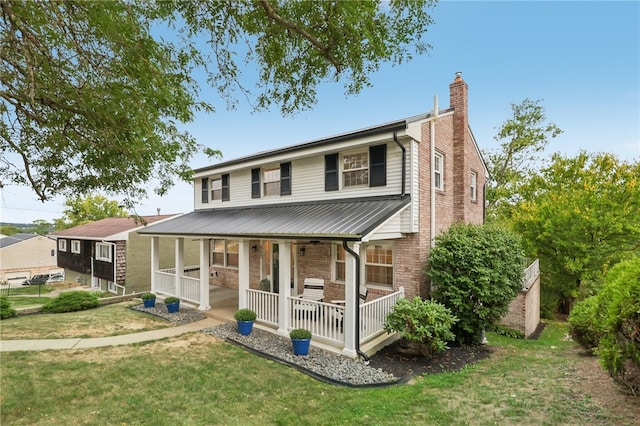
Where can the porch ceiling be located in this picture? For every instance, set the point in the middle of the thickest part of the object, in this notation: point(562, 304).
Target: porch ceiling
point(350, 219)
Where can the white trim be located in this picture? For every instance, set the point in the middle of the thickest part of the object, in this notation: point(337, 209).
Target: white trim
point(62, 245)
point(75, 247)
point(440, 156)
point(108, 258)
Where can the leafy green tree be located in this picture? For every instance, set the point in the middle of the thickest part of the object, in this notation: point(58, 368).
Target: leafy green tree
point(89, 209)
point(92, 102)
point(476, 271)
point(525, 135)
point(579, 216)
point(9, 230)
point(41, 227)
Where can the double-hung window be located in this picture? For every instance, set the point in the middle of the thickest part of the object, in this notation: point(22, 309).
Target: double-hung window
point(438, 171)
point(75, 246)
point(62, 245)
point(271, 182)
point(225, 253)
point(379, 264)
point(220, 188)
point(355, 169)
point(103, 252)
point(473, 186)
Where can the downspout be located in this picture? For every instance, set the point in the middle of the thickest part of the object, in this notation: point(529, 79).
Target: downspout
point(432, 149)
point(113, 260)
point(357, 258)
point(404, 161)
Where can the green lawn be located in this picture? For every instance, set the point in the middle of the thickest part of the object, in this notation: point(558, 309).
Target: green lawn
point(197, 380)
point(110, 320)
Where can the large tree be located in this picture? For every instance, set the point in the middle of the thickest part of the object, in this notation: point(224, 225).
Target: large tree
point(523, 137)
point(91, 208)
point(579, 216)
point(91, 100)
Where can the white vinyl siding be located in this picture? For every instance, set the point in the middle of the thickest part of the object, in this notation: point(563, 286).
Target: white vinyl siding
point(307, 181)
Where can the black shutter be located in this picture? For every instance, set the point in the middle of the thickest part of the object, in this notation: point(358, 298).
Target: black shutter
point(285, 179)
point(205, 190)
point(378, 165)
point(255, 183)
point(331, 172)
point(225, 188)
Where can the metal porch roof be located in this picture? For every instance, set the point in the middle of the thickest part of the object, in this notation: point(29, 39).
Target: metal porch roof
point(349, 219)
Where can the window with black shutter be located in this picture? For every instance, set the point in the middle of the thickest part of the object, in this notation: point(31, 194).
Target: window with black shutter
point(225, 188)
point(285, 179)
point(378, 165)
point(331, 172)
point(255, 183)
point(205, 190)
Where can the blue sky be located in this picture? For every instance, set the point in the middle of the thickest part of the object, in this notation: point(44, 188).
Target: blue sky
point(581, 59)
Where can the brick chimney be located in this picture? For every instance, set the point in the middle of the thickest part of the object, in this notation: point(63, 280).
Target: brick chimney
point(459, 101)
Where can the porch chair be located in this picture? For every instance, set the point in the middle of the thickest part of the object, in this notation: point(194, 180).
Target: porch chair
point(339, 314)
point(313, 290)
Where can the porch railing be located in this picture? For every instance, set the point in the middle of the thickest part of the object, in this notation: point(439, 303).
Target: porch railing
point(324, 320)
point(373, 315)
point(189, 283)
point(264, 304)
point(530, 274)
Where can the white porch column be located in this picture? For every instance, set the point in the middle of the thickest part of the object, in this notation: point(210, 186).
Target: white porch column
point(351, 302)
point(284, 280)
point(155, 261)
point(204, 275)
point(243, 273)
point(179, 265)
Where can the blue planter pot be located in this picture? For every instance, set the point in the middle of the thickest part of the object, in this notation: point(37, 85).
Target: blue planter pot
point(149, 303)
point(301, 346)
point(173, 307)
point(245, 327)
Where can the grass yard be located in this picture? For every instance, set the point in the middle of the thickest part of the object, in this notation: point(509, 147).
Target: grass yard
point(196, 379)
point(110, 320)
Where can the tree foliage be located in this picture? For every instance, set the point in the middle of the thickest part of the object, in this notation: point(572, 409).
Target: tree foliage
point(476, 271)
point(91, 100)
point(579, 216)
point(424, 322)
point(525, 135)
point(88, 209)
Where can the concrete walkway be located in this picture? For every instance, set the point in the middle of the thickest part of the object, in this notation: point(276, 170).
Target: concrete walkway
point(97, 342)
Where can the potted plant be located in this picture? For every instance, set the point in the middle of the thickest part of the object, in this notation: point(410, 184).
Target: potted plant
point(172, 303)
point(244, 319)
point(149, 300)
point(301, 339)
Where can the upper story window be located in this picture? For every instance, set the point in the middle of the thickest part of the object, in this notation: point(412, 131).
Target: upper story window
point(379, 264)
point(216, 189)
point(103, 252)
point(271, 181)
point(355, 169)
point(438, 171)
point(75, 246)
point(473, 186)
point(62, 245)
point(225, 253)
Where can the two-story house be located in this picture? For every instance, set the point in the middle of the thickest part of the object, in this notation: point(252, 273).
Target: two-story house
point(356, 210)
point(109, 255)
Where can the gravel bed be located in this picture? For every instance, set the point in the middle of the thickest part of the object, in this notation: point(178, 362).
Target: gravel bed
point(183, 316)
point(322, 364)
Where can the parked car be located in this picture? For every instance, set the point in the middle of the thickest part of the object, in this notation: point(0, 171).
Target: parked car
point(37, 280)
point(55, 278)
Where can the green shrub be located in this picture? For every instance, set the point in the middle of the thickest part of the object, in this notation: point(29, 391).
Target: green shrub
point(619, 348)
point(587, 322)
point(148, 296)
point(6, 311)
point(424, 322)
point(300, 333)
point(71, 301)
point(503, 330)
point(171, 299)
point(476, 272)
point(245, 315)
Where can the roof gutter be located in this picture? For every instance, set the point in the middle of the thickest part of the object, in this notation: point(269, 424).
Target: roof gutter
point(404, 161)
point(357, 298)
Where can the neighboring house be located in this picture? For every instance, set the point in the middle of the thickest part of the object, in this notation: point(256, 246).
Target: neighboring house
point(356, 209)
point(24, 255)
point(109, 254)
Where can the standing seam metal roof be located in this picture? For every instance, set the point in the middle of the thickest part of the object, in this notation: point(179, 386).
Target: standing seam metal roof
point(341, 219)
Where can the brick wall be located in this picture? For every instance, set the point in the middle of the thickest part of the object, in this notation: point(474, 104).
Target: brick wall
point(524, 310)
